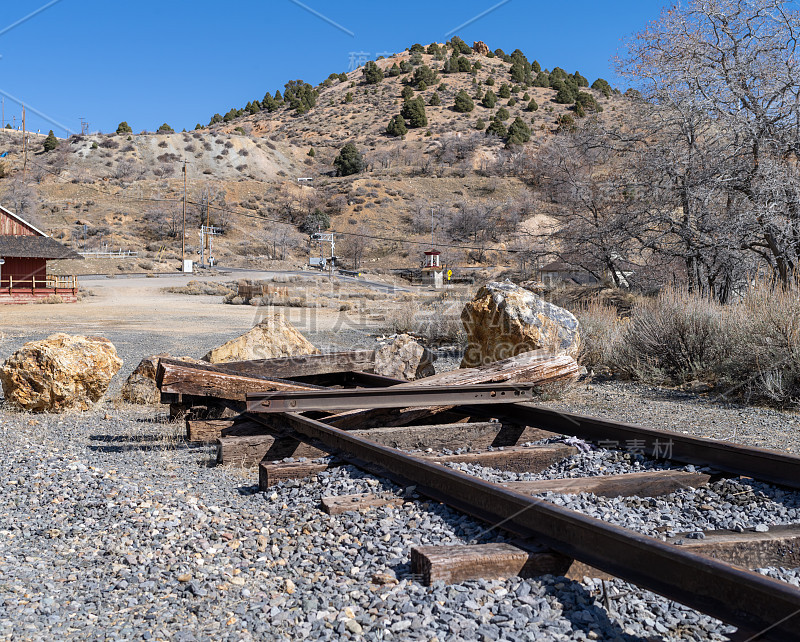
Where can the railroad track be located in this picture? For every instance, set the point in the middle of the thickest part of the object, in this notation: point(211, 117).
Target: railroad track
point(399, 432)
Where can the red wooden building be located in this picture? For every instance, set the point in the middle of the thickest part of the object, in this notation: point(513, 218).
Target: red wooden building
point(24, 252)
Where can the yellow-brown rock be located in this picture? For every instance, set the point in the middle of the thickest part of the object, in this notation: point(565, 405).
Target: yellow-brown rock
point(480, 47)
point(59, 372)
point(140, 386)
point(272, 338)
point(504, 320)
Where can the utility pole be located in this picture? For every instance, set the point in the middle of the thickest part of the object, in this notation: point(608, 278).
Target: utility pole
point(183, 233)
point(24, 145)
point(84, 126)
point(3, 121)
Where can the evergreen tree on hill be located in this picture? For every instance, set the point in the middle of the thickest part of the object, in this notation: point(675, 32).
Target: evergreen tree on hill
point(463, 102)
point(349, 161)
point(124, 128)
point(414, 112)
point(51, 142)
point(372, 73)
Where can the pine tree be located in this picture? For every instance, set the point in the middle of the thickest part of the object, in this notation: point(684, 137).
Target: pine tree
point(435, 100)
point(165, 129)
point(424, 74)
point(602, 85)
point(582, 82)
point(372, 73)
point(565, 96)
point(518, 132)
point(348, 97)
point(490, 81)
point(504, 92)
point(397, 126)
point(414, 112)
point(533, 105)
point(124, 128)
point(51, 142)
point(502, 114)
point(497, 128)
point(542, 80)
point(407, 93)
point(480, 125)
point(394, 71)
point(463, 103)
point(311, 152)
point(349, 161)
point(489, 99)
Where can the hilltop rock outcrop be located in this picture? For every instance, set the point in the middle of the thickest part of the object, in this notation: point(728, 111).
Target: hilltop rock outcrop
point(59, 372)
point(504, 320)
point(480, 47)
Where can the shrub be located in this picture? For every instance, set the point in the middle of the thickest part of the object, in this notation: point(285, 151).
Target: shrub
point(533, 105)
point(497, 128)
point(603, 86)
point(504, 91)
point(435, 100)
point(424, 74)
point(490, 81)
point(397, 126)
point(315, 221)
point(349, 161)
point(463, 103)
point(407, 93)
point(480, 125)
point(372, 73)
point(124, 128)
point(414, 112)
point(165, 129)
point(518, 132)
point(489, 99)
point(311, 153)
point(348, 97)
point(502, 114)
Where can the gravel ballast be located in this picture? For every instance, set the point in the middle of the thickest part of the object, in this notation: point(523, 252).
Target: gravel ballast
point(111, 527)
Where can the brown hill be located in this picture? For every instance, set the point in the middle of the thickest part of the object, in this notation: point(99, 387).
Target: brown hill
point(126, 189)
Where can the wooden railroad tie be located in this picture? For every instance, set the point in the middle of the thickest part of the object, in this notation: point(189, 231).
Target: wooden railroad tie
point(780, 546)
point(239, 446)
point(532, 459)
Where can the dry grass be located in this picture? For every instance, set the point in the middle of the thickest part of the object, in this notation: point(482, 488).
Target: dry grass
point(749, 349)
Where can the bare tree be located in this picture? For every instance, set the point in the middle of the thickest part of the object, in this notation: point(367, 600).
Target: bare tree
point(737, 62)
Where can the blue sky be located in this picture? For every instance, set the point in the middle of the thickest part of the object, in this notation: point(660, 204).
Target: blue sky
point(179, 62)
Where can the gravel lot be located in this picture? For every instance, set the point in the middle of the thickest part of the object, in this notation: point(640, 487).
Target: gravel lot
point(111, 527)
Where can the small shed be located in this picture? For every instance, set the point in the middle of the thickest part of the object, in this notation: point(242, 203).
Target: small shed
point(24, 252)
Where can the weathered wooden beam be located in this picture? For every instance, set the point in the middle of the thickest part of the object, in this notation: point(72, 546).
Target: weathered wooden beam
point(538, 367)
point(196, 380)
point(779, 546)
point(532, 459)
point(362, 419)
point(454, 564)
point(270, 473)
point(210, 430)
point(304, 365)
point(248, 449)
point(337, 504)
point(645, 484)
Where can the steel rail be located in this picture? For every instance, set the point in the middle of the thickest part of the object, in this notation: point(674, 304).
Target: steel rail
point(760, 463)
point(747, 600)
point(391, 397)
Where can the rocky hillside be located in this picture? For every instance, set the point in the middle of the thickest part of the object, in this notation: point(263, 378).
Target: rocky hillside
point(124, 189)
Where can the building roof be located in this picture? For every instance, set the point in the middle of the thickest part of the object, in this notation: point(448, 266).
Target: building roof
point(34, 247)
point(21, 220)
